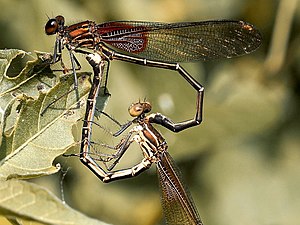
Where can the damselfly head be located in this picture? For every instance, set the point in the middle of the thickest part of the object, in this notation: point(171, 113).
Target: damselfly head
point(53, 25)
point(139, 108)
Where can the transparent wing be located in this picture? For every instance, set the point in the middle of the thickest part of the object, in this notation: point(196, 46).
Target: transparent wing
point(178, 42)
point(178, 206)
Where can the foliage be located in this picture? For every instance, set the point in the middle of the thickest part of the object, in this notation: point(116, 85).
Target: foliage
point(31, 141)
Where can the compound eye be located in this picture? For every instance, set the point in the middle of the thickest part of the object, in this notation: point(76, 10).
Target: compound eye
point(51, 27)
point(146, 107)
point(135, 110)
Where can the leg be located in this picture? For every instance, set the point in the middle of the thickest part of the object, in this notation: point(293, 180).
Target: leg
point(90, 162)
point(57, 50)
point(57, 56)
point(120, 148)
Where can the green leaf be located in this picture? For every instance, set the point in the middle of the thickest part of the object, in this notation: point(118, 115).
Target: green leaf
point(29, 202)
point(35, 72)
point(15, 87)
point(30, 142)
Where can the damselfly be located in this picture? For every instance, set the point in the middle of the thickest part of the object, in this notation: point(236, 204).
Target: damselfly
point(154, 44)
point(178, 206)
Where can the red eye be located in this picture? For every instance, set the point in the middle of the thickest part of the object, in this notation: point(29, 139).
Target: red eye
point(51, 27)
point(54, 25)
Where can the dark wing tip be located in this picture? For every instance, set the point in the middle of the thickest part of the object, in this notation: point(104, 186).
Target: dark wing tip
point(253, 35)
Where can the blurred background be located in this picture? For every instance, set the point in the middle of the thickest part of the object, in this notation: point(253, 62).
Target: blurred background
point(242, 164)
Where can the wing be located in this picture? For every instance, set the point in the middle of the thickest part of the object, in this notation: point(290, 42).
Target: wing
point(178, 206)
point(179, 42)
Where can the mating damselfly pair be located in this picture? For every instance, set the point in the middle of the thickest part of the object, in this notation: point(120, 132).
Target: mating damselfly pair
point(160, 45)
